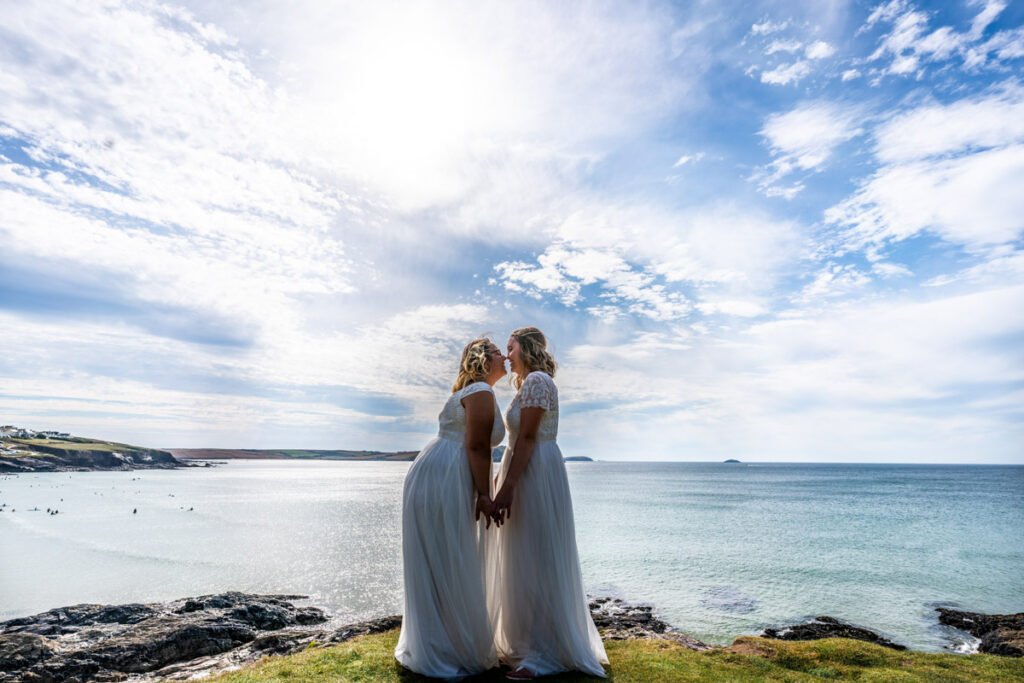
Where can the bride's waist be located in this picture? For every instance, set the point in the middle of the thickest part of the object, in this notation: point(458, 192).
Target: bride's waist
point(538, 439)
point(452, 435)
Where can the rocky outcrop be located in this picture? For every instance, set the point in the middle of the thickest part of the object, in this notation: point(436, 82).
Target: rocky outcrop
point(57, 459)
point(828, 627)
point(1000, 634)
point(619, 620)
point(108, 642)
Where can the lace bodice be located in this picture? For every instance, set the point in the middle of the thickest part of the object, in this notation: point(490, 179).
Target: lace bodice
point(538, 391)
point(453, 416)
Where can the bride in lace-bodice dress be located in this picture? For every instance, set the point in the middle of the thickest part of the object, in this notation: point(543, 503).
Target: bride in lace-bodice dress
point(535, 586)
point(446, 629)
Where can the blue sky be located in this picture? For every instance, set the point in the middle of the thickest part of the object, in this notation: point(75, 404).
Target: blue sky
point(768, 230)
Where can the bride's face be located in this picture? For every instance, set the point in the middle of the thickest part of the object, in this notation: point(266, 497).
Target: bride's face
point(514, 355)
point(495, 364)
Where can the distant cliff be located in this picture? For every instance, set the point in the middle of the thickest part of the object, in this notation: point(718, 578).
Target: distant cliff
point(79, 454)
point(287, 454)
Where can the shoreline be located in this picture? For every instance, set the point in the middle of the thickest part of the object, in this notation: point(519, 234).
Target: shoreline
point(216, 633)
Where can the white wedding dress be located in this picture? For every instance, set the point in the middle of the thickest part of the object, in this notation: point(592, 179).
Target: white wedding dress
point(535, 587)
point(446, 630)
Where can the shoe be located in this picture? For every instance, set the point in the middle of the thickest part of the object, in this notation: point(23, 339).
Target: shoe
point(520, 674)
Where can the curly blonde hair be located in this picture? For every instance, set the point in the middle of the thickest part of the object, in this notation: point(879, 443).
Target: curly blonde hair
point(533, 352)
point(474, 366)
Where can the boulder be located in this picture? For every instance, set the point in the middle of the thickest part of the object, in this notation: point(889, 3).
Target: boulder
point(829, 627)
point(1000, 634)
point(109, 642)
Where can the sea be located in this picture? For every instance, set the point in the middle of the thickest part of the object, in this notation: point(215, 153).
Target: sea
point(719, 549)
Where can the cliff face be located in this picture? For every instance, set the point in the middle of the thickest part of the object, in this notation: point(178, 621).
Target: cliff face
point(79, 456)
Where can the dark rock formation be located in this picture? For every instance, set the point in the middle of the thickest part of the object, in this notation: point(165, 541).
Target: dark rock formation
point(1000, 634)
point(97, 642)
point(828, 627)
point(618, 620)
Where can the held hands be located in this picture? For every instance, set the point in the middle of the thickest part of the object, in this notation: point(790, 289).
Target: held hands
point(503, 504)
point(485, 507)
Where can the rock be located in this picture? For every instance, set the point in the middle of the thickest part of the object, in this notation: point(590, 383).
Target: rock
point(364, 628)
point(1000, 634)
point(22, 650)
point(829, 627)
point(110, 642)
point(618, 620)
point(65, 620)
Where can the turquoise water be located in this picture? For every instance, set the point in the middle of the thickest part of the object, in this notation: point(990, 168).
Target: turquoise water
point(720, 550)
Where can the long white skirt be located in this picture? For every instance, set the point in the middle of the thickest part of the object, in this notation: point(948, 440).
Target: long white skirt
point(535, 587)
point(446, 631)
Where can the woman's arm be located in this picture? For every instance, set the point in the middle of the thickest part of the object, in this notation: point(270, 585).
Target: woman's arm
point(479, 423)
point(529, 423)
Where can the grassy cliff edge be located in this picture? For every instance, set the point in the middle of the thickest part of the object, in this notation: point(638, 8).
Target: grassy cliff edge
point(370, 659)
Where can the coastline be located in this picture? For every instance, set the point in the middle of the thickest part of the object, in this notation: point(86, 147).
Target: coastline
point(212, 634)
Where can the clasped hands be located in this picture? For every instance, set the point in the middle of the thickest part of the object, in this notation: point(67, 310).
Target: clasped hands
point(497, 510)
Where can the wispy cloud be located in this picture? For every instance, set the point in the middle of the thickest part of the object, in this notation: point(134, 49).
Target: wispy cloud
point(911, 43)
point(949, 169)
point(804, 138)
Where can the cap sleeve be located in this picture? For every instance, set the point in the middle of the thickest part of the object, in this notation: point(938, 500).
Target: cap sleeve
point(475, 388)
point(538, 391)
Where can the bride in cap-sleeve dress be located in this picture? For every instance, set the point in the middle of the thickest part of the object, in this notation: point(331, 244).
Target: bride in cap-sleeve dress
point(535, 587)
point(446, 629)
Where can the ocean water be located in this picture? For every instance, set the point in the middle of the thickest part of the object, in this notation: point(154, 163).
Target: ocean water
point(719, 549)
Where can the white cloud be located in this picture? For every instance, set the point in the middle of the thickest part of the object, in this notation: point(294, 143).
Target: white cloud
point(834, 280)
point(718, 245)
point(999, 266)
point(639, 258)
point(743, 309)
point(890, 270)
point(562, 270)
point(802, 140)
point(929, 130)
point(953, 170)
point(687, 159)
point(1005, 45)
point(989, 11)
point(910, 43)
point(766, 27)
point(786, 73)
point(850, 74)
point(819, 49)
point(972, 200)
point(783, 46)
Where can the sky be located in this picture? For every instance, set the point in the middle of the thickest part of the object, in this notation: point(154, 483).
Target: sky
point(763, 230)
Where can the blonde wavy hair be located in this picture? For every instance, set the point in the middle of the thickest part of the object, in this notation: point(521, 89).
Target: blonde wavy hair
point(533, 352)
point(474, 364)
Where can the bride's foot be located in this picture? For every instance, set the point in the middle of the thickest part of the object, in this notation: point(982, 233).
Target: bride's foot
point(520, 674)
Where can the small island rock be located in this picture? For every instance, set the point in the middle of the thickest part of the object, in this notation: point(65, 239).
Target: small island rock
point(829, 627)
point(1000, 634)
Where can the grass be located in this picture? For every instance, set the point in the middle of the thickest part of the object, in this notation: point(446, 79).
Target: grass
point(78, 444)
point(370, 659)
